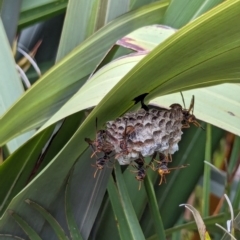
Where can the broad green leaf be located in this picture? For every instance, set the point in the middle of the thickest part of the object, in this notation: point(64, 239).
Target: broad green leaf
point(10, 85)
point(234, 155)
point(50, 219)
point(98, 86)
point(24, 161)
point(25, 226)
point(152, 201)
point(73, 33)
point(72, 225)
point(232, 166)
point(218, 105)
point(35, 11)
point(131, 218)
point(133, 4)
point(138, 197)
point(86, 192)
point(10, 8)
point(146, 38)
point(180, 12)
point(24, 115)
point(207, 173)
point(97, 12)
point(117, 207)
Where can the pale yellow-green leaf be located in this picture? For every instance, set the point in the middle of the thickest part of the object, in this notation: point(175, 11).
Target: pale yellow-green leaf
point(96, 87)
point(146, 38)
point(11, 87)
point(218, 105)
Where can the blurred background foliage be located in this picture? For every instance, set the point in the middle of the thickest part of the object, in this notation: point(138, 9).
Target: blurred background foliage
point(59, 59)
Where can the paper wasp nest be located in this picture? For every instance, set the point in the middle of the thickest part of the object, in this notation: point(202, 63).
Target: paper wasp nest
point(143, 132)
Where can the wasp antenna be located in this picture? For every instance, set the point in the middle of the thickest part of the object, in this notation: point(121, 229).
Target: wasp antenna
point(197, 124)
point(183, 100)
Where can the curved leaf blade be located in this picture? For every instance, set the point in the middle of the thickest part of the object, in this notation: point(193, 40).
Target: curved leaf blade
point(99, 85)
point(198, 219)
point(146, 38)
point(218, 105)
point(132, 221)
point(50, 219)
point(152, 201)
point(24, 160)
point(72, 225)
point(25, 226)
point(117, 207)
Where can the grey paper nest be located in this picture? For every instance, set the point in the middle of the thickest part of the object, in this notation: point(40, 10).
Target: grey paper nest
point(143, 133)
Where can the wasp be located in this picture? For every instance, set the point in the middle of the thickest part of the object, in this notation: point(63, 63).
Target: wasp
point(188, 116)
point(163, 169)
point(141, 170)
point(100, 144)
point(100, 163)
point(123, 143)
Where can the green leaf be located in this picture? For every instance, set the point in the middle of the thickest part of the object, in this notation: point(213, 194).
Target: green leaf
point(72, 225)
point(50, 219)
point(132, 221)
point(25, 226)
point(74, 33)
point(233, 160)
point(35, 11)
point(106, 229)
point(117, 207)
point(234, 155)
point(180, 12)
point(24, 160)
point(87, 199)
point(152, 201)
point(10, 8)
point(11, 87)
point(220, 108)
point(146, 38)
point(207, 172)
point(24, 115)
point(99, 83)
